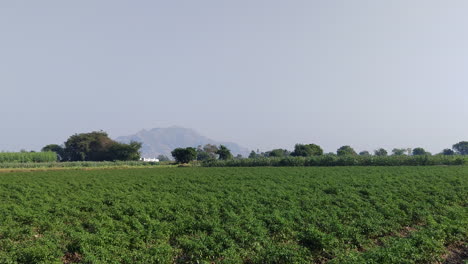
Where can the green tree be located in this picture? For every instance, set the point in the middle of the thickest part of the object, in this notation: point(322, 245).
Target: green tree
point(88, 146)
point(207, 152)
point(398, 152)
point(120, 151)
point(448, 152)
point(280, 153)
point(253, 155)
point(224, 153)
point(57, 149)
point(301, 150)
point(364, 153)
point(380, 152)
point(184, 155)
point(97, 146)
point(345, 151)
point(201, 154)
point(461, 147)
point(419, 151)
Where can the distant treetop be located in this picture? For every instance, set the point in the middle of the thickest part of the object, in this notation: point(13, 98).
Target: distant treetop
point(307, 150)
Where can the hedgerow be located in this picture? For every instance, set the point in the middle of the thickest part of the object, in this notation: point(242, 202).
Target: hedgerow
point(332, 160)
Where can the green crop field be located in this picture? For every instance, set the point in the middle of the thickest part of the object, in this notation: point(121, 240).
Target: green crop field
point(234, 215)
point(24, 157)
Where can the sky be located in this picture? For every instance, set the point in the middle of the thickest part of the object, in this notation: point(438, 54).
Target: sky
point(264, 74)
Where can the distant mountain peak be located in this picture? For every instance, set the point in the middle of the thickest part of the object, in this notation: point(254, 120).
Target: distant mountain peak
point(161, 141)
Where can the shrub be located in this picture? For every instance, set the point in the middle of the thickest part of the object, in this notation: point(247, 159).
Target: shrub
point(348, 160)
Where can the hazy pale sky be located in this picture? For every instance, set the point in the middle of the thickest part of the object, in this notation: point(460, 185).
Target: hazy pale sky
point(264, 74)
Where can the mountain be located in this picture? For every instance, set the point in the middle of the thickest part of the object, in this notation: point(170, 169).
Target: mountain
point(161, 141)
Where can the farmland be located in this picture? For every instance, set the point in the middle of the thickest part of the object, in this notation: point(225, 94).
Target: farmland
point(234, 215)
point(23, 157)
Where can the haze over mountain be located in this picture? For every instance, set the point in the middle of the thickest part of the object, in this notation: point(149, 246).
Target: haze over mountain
point(161, 141)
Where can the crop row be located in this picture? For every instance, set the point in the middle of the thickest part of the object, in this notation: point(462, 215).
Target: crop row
point(233, 215)
point(24, 157)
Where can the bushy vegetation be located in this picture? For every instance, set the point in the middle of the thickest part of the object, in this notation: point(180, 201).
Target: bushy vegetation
point(307, 150)
point(78, 164)
point(312, 155)
point(333, 160)
point(235, 215)
point(184, 155)
point(24, 157)
point(95, 146)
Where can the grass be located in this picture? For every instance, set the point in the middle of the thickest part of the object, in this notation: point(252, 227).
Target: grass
point(233, 215)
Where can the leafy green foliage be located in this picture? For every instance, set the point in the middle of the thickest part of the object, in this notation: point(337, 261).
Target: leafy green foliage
point(349, 160)
point(381, 152)
point(97, 146)
point(224, 153)
point(461, 147)
point(253, 155)
point(24, 157)
point(307, 150)
point(419, 151)
point(184, 155)
point(207, 152)
point(279, 153)
point(448, 152)
point(57, 149)
point(346, 151)
point(120, 151)
point(398, 151)
point(235, 215)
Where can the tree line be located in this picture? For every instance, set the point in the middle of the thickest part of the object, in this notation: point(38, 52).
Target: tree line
point(308, 150)
point(97, 146)
point(212, 152)
point(207, 152)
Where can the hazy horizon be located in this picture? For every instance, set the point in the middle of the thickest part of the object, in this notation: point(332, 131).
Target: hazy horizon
point(263, 74)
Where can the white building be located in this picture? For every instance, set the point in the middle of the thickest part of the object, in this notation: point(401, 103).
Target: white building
point(150, 159)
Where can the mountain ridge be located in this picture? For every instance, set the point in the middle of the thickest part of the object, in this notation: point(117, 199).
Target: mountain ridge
point(161, 141)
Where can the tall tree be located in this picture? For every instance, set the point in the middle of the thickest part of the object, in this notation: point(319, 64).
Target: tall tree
point(120, 151)
point(207, 152)
point(380, 152)
point(345, 151)
point(461, 147)
point(448, 152)
point(224, 153)
point(419, 151)
point(398, 152)
point(307, 150)
point(253, 155)
point(184, 155)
